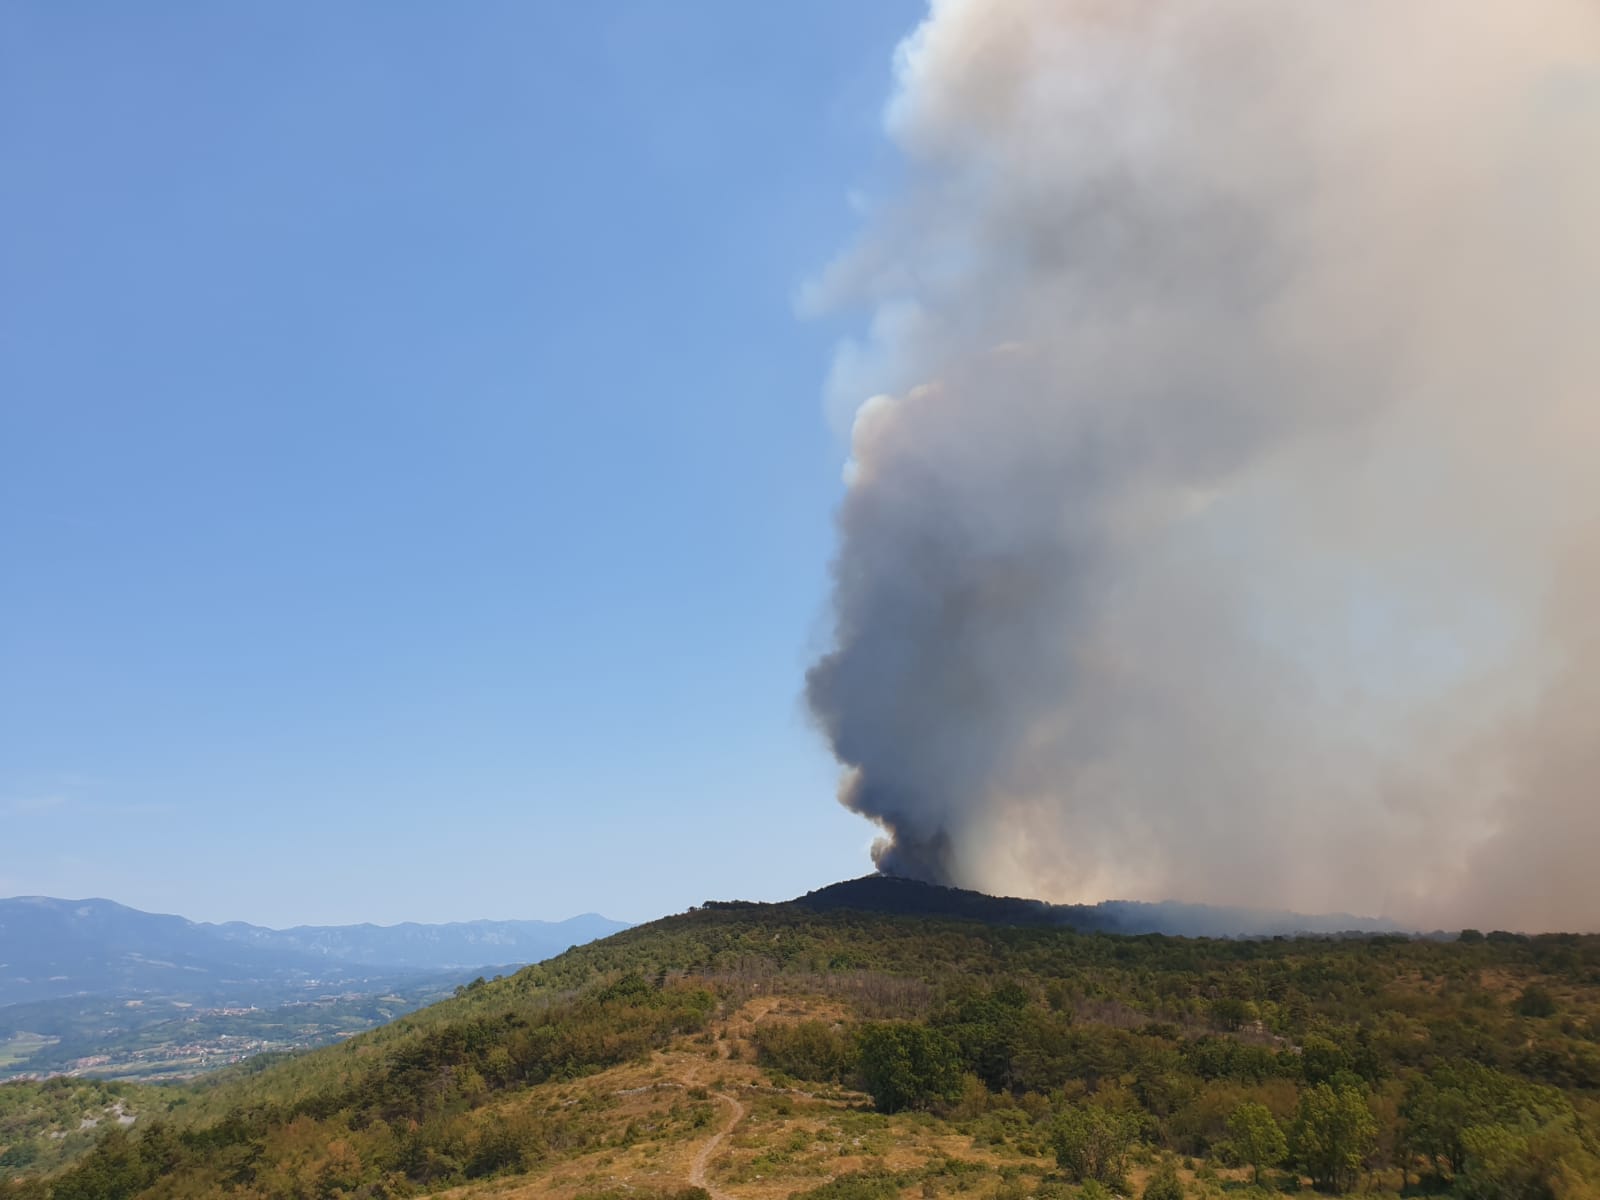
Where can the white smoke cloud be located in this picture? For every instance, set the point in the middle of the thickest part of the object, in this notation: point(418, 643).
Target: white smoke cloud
point(1227, 523)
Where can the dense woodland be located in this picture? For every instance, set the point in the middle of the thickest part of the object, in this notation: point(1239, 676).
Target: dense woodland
point(1382, 1064)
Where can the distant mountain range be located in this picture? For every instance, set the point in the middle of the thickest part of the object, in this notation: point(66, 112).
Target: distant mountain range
point(889, 894)
point(55, 948)
point(436, 947)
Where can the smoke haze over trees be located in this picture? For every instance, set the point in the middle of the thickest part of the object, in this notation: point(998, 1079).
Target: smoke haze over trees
point(1222, 519)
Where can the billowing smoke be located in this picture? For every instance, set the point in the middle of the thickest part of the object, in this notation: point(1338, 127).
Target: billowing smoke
point(1224, 520)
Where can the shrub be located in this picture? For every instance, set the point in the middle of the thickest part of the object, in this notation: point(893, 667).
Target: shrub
point(907, 1065)
point(858, 1185)
point(1092, 1143)
point(1334, 1133)
point(1536, 1002)
point(1165, 1184)
point(807, 1050)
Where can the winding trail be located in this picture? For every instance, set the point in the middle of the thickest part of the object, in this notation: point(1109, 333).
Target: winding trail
point(702, 1158)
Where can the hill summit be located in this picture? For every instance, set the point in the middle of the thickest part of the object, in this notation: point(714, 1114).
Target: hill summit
point(909, 897)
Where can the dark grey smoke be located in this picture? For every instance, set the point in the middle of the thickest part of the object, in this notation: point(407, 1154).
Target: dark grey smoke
point(1223, 517)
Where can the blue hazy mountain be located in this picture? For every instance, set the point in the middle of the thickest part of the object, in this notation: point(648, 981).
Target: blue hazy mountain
point(438, 947)
point(52, 948)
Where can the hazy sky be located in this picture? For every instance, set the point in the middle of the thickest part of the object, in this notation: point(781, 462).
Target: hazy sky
point(415, 497)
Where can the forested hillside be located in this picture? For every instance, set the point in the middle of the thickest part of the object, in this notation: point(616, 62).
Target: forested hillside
point(774, 1050)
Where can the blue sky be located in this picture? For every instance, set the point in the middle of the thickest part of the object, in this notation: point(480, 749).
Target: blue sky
point(415, 498)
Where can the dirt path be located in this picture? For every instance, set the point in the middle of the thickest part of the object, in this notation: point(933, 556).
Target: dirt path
point(702, 1158)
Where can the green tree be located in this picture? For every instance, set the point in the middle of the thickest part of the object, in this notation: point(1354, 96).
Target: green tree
point(907, 1065)
point(1435, 1116)
point(807, 1049)
point(1441, 1107)
point(114, 1170)
point(1257, 1136)
point(1165, 1184)
point(987, 1028)
point(1526, 1163)
point(1091, 1142)
point(1232, 1013)
point(1321, 1059)
point(1334, 1133)
point(1536, 1002)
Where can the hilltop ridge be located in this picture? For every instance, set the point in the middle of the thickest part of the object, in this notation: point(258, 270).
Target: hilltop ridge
point(896, 894)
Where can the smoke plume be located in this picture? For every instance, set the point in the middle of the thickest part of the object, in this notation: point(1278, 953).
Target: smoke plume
point(1223, 508)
